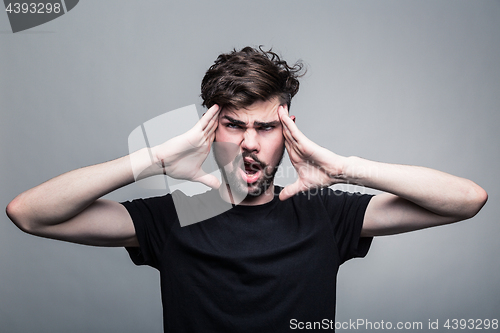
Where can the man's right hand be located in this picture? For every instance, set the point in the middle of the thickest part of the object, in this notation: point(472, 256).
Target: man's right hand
point(182, 156)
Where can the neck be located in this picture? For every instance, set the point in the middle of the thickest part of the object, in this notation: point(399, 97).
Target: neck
point(232, 197)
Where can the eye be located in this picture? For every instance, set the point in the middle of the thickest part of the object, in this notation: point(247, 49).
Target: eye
point(266, 128)
point(231, 125)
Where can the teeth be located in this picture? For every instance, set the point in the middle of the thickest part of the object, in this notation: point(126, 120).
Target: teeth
point(250, 168)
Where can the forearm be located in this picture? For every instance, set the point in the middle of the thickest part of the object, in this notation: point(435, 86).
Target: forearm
point(436, 191)
point(65, 196)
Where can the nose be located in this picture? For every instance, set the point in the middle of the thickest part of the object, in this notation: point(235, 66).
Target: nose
point(250, 141)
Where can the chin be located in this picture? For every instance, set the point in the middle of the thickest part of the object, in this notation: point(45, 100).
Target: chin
point(256, 190)
point(245, 189)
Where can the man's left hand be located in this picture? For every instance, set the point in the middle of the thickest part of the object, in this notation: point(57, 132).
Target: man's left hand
point(316, 166)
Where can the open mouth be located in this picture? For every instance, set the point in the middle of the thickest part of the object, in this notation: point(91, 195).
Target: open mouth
point(251, 170)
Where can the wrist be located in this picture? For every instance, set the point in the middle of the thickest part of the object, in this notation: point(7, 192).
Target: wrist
point(144, 163)
point(335, 166)
point(356, 170)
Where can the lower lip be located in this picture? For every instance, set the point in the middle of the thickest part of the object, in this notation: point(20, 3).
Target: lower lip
point(250, 178)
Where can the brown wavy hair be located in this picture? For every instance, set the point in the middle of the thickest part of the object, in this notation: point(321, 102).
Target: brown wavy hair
point(240, 78)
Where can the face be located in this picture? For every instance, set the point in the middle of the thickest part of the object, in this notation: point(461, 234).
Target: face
point(257, 131)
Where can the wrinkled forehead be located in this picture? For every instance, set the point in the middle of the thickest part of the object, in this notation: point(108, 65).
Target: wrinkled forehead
point(264, 111)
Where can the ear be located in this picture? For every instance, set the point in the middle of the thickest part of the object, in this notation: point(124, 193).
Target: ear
point(293, 118)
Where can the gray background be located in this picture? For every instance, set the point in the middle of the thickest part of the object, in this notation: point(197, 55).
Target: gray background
point(411, 82)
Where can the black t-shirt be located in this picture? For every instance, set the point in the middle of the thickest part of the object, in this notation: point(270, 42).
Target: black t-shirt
point(251, 268)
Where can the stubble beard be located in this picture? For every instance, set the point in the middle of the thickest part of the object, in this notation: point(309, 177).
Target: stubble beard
point(240, 187)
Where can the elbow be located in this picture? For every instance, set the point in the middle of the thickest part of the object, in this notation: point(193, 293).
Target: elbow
point(482, 197)
point(15, 212)
point(476, 199)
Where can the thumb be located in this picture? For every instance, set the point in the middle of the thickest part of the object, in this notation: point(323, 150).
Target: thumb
point(290, 190)
point(207, 179)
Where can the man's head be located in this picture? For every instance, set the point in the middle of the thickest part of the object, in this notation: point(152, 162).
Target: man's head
point(240, 78)
point(255, 134)
point(249, 86)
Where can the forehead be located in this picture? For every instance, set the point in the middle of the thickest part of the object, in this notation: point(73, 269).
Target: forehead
point(261, 111)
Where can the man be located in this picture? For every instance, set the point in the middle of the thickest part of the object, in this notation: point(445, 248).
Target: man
point(272, 258)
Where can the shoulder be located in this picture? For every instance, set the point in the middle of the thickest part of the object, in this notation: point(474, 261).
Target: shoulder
point(156, 202)
point(324, 195)
point(331, 200)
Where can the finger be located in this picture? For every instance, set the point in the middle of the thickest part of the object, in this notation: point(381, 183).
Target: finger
point(288, 136)
point(284, 109)
point(210, 132)
point(282, 113)
point(290, 190)
point(212, 113)
point(291, 131)
point(211, 137)
point(285, 121)
point(282, 116)
point(291, 144)
point(289, 149)
point(290, 126)
point(212, 125)
point(207, 179)
point(292, 148)
point(211, 128)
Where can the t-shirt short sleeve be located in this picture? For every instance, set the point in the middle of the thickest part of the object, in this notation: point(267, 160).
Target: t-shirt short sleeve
point(347, 212)
point(153, 218)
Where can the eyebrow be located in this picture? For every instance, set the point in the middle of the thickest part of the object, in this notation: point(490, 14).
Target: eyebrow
point(234, 121)
point(273, 123)
point(255, 123)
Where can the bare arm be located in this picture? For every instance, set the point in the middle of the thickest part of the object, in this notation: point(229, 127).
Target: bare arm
point(416, 197)
point(68, 207)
